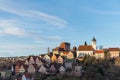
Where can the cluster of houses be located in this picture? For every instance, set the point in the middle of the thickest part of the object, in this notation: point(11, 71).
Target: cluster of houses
point(48, 64)
point(62, 60)
point(85, 49)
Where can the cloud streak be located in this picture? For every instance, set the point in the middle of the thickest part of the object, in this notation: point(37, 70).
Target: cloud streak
point(8, 27)
point(13, 27)
point(51, 19)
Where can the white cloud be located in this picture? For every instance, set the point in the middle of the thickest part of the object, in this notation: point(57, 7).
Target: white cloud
point(13, 31)
point(13, 27)
point(48, 18)
point(9, 27)
point(51, 19)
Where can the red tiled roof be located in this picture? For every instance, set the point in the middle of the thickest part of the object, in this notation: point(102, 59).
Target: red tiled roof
point(99, 51)
point(85, 48)
point(59, 49)
point(114, 49)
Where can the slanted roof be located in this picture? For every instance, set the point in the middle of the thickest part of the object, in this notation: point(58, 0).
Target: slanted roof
point(85, 48)
point(114, 49)
point(99, 51)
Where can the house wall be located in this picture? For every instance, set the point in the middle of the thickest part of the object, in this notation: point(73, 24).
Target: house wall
point(99, 55)
point(21, 70)
point(55, 52)
point(31, 60)
point(70, 55)
point(85, 53)
point(114, 54)
point(31, 69)
point(60, 60)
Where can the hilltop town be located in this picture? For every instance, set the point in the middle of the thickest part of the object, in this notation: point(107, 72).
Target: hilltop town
point(84, 62)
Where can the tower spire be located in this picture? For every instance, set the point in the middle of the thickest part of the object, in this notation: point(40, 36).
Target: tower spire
point(48, 50)
point(85, 43)
point(94, 43)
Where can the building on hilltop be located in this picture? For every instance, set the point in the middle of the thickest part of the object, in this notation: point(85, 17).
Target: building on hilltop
point(64, 47)
point(114, 52)
point(86, 49)
point(94, 43)
point(99, 54)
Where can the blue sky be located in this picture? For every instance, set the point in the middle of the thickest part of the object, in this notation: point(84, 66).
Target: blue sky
point(31, 26)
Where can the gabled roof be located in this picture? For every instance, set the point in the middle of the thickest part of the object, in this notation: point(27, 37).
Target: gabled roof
point(99, 51)
point(114, 49)
point(34, 58)
point(85, 48)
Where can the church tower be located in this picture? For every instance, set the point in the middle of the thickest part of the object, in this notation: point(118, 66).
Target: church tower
point(94, 43)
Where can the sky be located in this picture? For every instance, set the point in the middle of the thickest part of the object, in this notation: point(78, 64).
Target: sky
point(29, 27)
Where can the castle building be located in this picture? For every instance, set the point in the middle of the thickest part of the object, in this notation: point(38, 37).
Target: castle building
point(86, 49)
point(64, 47)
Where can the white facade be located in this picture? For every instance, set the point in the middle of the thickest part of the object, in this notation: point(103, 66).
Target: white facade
point(31, 69)
point(55, 52)
point(42, 70)
point(70, 55)
point(99, 55)
point(21, 70)
point(114, 54)
point(26, 62)
point(94, 45)
point(31, 60)
point(62, 70)
point(83, 53)
point(37, 60)
point(39, 63)
point(46, 58)
point(60, 60)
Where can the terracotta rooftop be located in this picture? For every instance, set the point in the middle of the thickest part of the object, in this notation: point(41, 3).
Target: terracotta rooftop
point(85, 48)
point(114, 49)
point(99, 51)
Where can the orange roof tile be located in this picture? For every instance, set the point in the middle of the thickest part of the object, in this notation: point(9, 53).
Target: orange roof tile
point(114, 49)
point(99, 51)
point(85, 48)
